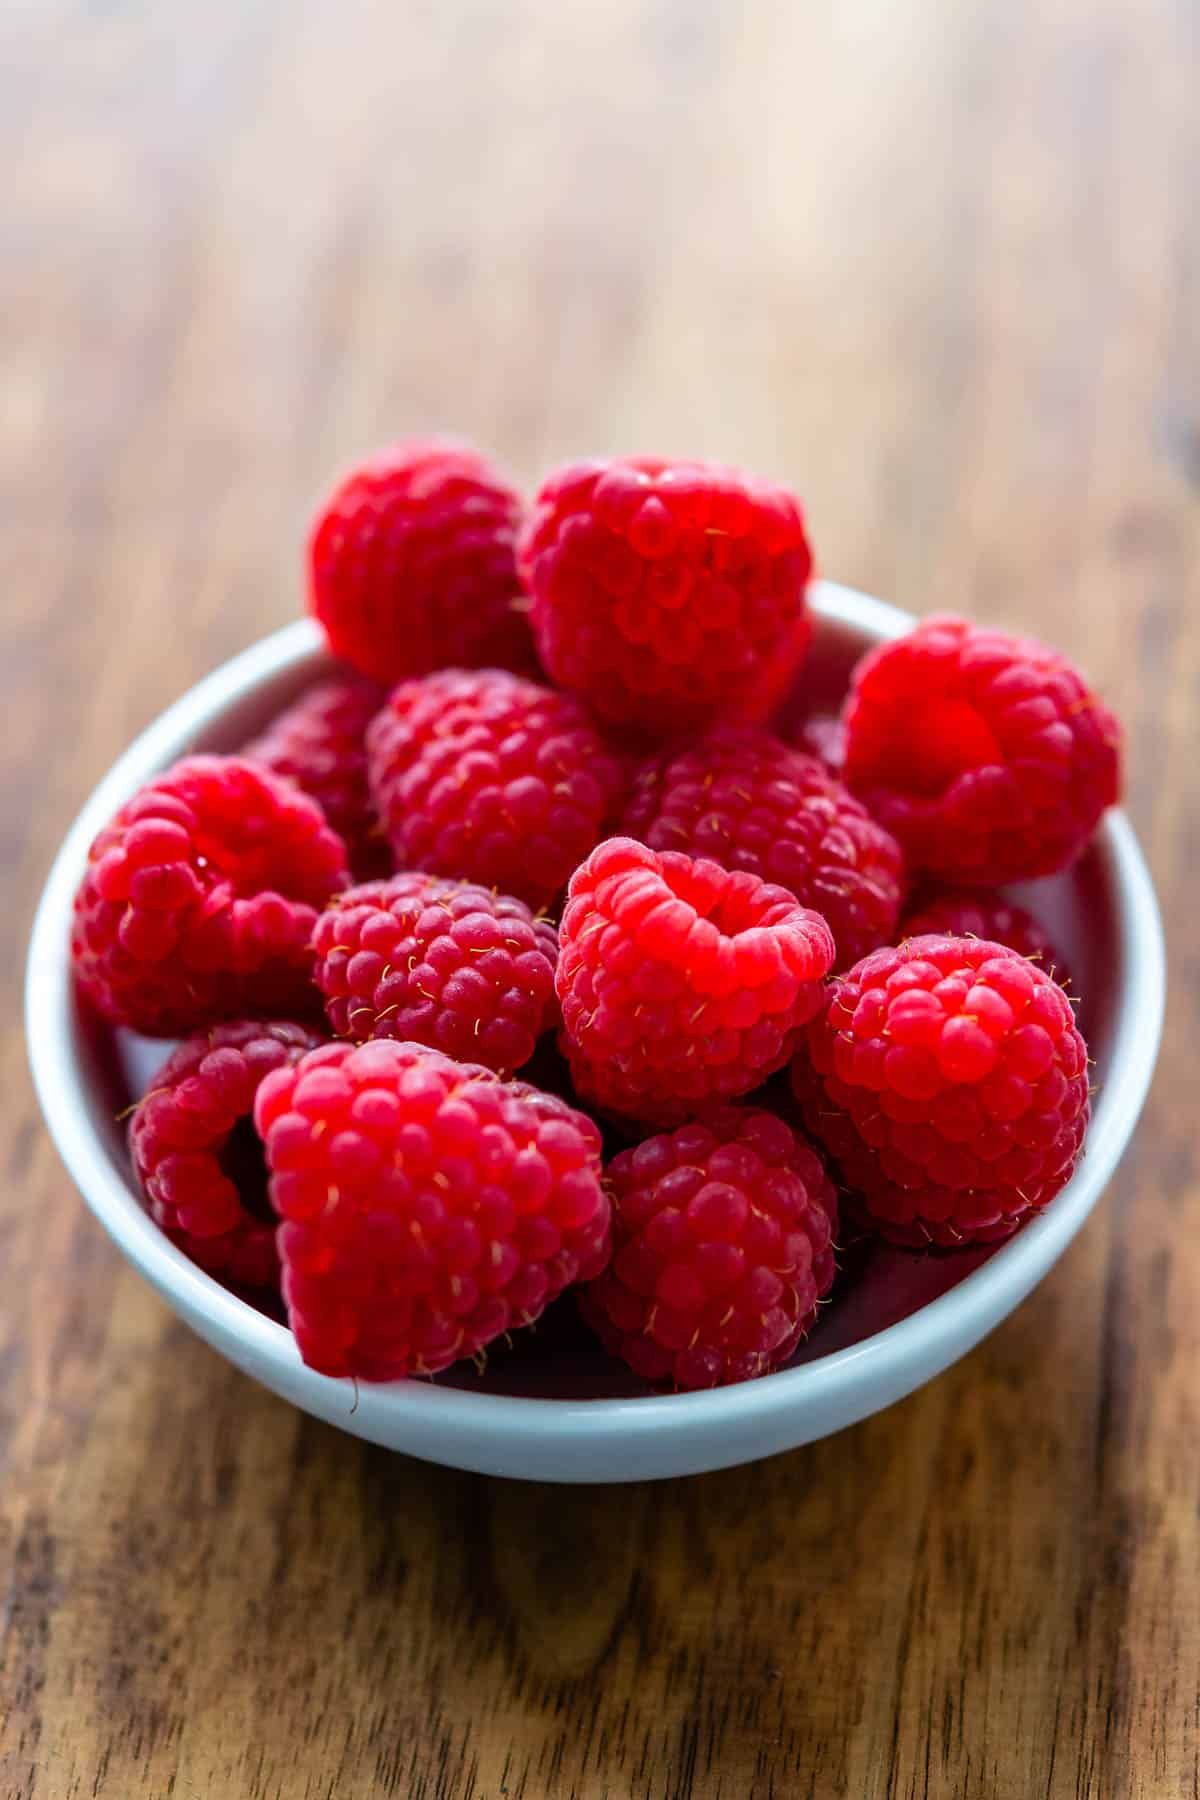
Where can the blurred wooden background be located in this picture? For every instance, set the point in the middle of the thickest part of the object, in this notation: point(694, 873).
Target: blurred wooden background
point(938, 264)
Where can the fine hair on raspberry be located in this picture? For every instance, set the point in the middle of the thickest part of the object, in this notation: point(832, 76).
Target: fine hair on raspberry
point(681, 982)
point(483, 775)
point(722, 1249)
point(199, 899)
point(195, 1152)
point(444, 963)
point(428, 1207)
point(748, 801)
point(412, 564)
point(948, 1080)
point(319, 743)
point(668, 594)
point(986, 755)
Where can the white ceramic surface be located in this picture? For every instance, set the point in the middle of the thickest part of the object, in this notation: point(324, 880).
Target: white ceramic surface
point(899, 1320)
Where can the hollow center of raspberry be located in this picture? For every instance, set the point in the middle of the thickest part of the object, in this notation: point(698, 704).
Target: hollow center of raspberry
point(732, 909)
point(944, 738)
point(243, 1162)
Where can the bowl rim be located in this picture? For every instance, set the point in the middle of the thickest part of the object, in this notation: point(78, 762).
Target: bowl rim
point(823, 1384)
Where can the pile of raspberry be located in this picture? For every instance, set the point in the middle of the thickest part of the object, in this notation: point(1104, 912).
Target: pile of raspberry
point(556, 815)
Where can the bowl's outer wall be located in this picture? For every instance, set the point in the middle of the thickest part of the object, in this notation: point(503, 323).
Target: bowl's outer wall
point(1119, 959)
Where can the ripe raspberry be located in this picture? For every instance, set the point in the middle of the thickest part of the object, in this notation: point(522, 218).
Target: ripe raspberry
point(412, 564)
point(427, 1206)
point(747, 801)
point(957, 912)
point(668, 594)
point(199, 899)
point(319, 744)
point(438, 962)
point(196, 1153)
point(949, 1082)
point(721, 1250)
point(985, 754)
point(680, 981)
point(492, 778)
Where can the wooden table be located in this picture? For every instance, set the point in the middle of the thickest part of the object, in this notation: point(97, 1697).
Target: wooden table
point(940, 265)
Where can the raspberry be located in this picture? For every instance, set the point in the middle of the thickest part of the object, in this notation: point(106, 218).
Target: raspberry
point(668, 594)
point(196, 1153)
point(721, 1250)
point(412, 564)
point(957, 912)
point(199, 899)
point(681, 982)
point(318, 744)
point(985, 754)
point(949, 1082)
point(489, 777)
point(747, 801)
point(438, 962)
point(428, 1207)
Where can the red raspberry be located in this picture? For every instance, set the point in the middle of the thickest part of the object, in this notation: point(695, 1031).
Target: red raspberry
point(200, 898)
point(949, 1082)
point(438, 962)
point(987, 755)
point(196, 1153)
point(668, 593)
point(319, 744)
point(722, 1247)
point(412, 564)
point(680, 981)
point(957, 912)
point(493, 778)
point(428, 1207)
point(749, 802)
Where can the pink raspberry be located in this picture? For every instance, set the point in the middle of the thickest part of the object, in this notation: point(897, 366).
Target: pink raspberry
point(412, 565)
point(436, 962)
point(319, 744)
point(199, 899)
point(196, 1153)
point(747, 801)
point(428, 1207)
point(986, 755)
point(681, 982)
point(722, 1247)
point(957, 912)
point(948, 1081)
point(492, 778)
point(668, 594)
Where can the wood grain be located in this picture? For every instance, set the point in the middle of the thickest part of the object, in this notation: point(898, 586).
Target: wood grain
point(940, 265)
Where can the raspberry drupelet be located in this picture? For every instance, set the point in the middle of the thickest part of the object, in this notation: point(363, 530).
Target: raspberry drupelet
point(436, 962)
point(949, 1083)
point(483, 775)
point(319, 744)
point(958, 912)
point(681, 982)
point(668, 594)
point(722, 1248)
point(196, 1154)
point(427, 1207)
point(985, 754)
point(748, 801)
point(199, 900)
point(412, 565)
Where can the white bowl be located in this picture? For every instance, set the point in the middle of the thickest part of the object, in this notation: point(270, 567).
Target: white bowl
point(900, 1321)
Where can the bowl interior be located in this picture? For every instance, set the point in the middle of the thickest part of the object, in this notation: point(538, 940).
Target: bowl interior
point(878, 1286)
